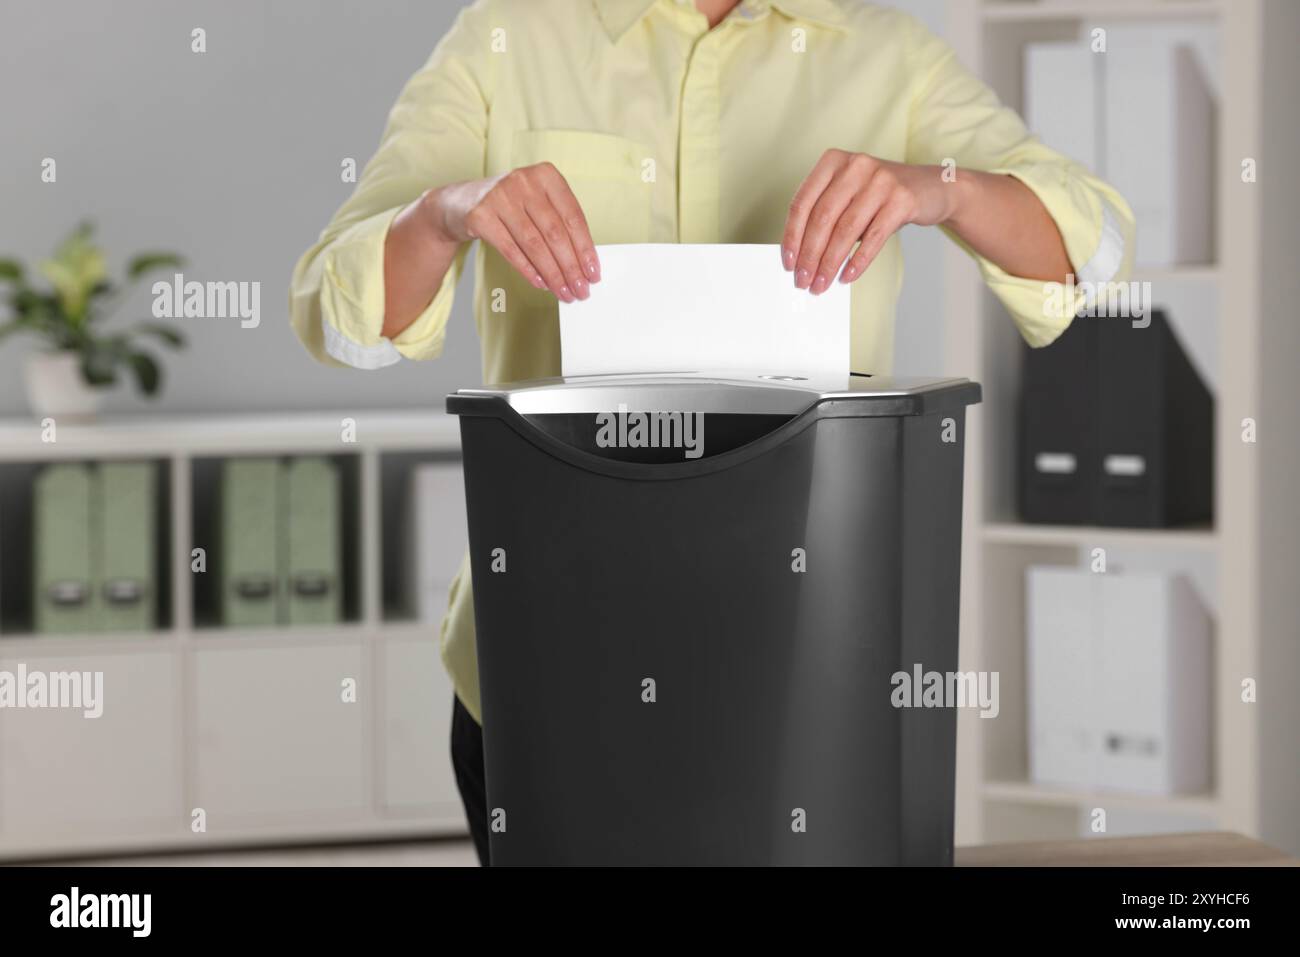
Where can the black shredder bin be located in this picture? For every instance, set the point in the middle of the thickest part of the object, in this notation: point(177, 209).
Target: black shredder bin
point(696, 600)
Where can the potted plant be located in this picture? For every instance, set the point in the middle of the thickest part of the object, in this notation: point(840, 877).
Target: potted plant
point(81, 358)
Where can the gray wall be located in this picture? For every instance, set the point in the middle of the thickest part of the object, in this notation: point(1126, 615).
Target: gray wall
point(918, 335)
point(232, 157)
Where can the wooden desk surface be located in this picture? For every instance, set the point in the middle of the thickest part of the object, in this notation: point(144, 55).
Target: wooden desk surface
point(1211, 849)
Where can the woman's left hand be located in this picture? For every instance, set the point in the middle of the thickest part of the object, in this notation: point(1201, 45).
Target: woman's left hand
point(850, 197)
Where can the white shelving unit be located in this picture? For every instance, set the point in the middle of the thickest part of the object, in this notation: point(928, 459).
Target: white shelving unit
point(1250, 557)
point(249, 725)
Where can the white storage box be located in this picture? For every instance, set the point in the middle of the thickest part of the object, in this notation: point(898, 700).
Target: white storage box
point(1064, 92)
point(1159, 145)
point(436, 538)
point(1141, 116)
point(1119, 682)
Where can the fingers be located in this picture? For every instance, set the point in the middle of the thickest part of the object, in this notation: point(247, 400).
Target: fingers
point(848, 198)
point(560, 246)
point(486, 225)
point(805, 198)
point(533, 219)
point(534, 188)
point(822, 220)
point(525, 233)
point(575, 222)
point(853, 222)
point(890, 219)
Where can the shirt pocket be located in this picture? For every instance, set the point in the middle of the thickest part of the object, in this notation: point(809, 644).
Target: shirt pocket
point(604, 172)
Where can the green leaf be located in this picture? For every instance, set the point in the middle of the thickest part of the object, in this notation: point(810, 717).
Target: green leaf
point(146, 262)
point(118, 346)
point(147, 373)
point(40, 314)
point(162, 331)
point(77, 267)
point(11, 270)
point(98, 367)
point(29, 299)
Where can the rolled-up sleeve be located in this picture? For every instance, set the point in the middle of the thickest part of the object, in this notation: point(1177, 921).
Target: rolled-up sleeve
point(435, 134)
point(955, 117)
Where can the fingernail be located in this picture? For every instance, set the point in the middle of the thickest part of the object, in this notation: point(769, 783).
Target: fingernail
point(539, 282)
point(849, 273)
point(566, 294)
point(819, 285)
point(801, 278)
point(787, 259)
point(593, 269)
point(580, 285)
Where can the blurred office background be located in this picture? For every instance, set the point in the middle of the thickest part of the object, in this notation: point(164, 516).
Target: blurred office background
point(1121, 689)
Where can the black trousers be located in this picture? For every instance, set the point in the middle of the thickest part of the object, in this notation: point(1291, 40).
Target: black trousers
point(467, 760)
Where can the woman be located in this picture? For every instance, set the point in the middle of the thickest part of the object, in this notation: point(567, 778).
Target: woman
point(545, 127)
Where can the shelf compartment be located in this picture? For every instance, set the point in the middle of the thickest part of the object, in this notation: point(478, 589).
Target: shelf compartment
point(205, 519)
point(17, 544)
point(421, 543)
point(1005, 740)
point(415, 710)
point(271, 761)
point(69, 779)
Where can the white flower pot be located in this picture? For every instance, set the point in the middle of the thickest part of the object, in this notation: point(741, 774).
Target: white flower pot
point(56, 389)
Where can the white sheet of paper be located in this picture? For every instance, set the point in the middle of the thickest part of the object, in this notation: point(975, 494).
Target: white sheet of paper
point(703, 308)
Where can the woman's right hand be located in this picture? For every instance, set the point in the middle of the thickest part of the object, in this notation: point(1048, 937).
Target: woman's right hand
point(531, 217)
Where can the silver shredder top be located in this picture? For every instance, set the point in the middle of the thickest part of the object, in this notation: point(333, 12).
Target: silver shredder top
point(712, 392)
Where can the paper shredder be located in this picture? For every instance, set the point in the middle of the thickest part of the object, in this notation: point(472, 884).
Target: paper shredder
point(694, 596)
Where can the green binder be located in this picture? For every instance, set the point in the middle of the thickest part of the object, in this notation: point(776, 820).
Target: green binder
point(248, 547)
point(124, 546)
point(61, 542)
point(312, 580)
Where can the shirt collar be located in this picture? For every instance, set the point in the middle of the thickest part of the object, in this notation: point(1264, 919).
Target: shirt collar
point(619, 15)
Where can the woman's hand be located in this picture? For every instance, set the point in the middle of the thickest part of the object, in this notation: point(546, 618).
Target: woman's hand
point(850, 197)
point(531, 217)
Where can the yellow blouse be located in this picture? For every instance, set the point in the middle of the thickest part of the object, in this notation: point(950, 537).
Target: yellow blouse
point(670, 132)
